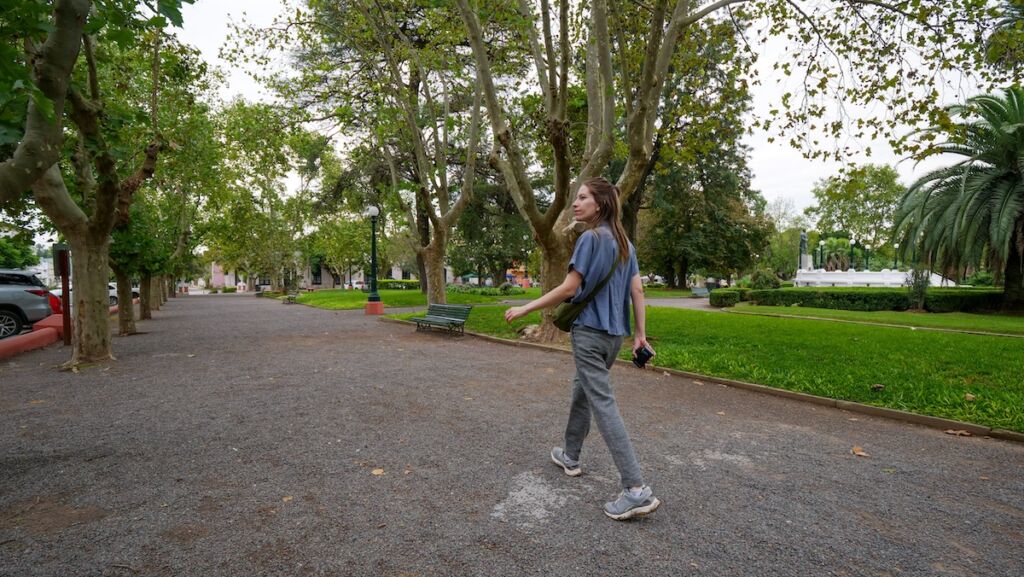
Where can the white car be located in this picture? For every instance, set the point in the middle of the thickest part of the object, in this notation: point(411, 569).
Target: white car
point(111, 292)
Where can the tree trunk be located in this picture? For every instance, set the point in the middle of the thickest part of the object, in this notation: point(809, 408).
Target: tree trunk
point(1013, 277)
point(173, 293)
point(91, 306)
point(165, 282)
point(556, 252)
point(684, 273)
point(433, 260)
point(154, 293)
point(125, 306)
point(145, 297)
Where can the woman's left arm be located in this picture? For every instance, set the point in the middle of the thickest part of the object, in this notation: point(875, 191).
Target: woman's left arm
point(566, 290)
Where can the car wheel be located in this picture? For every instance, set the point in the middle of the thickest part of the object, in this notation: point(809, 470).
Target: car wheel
point(113, 301)
point(10, 324)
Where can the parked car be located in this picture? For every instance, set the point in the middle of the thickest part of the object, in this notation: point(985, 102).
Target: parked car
point(23, 300)
point(111, 292)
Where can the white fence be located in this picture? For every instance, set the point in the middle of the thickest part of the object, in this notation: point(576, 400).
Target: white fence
point(882, 278)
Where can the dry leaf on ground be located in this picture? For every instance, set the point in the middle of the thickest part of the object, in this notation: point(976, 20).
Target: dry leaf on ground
point(958, 432)
point(969, 397)
point(860, 452)
point(378, 472)
point(287, 498)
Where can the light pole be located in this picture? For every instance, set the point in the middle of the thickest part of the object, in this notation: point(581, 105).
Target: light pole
point(895, 255)
point(821, 254)
point(853, 241)
point(867, 257)
point(373, 304)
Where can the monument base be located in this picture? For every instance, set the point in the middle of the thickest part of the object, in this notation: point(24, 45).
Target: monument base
point(375, 308)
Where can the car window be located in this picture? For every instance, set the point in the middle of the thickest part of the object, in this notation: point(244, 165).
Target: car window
point(8, 278)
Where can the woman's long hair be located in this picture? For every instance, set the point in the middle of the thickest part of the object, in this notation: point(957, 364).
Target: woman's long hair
point(606, 195)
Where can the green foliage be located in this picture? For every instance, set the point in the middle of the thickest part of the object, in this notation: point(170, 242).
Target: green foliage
point(229, 289)
point(980, 278)
point(490, 236)
point(17, 252)
point(764, 279)
point(861, 202)
point(878, 299)
point(505, 289)
point(724, 297)
point(973, 211)
point(398, 284)
point(917, 287)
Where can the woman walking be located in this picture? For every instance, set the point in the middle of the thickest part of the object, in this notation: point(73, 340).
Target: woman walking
point(597, 335)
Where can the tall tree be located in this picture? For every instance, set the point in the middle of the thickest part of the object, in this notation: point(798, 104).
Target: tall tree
point(854, 50)
point(974, 210)
point(862, 202)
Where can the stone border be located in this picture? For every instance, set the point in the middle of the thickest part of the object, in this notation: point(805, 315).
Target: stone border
point(894, 414)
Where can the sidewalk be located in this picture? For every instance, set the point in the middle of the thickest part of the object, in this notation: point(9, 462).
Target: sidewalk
point(238, 436)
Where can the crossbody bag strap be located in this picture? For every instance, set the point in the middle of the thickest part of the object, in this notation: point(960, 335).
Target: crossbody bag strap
point(600, 285)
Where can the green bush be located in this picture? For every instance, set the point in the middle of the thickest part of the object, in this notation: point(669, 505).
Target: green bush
point(764, 279)
point(962, 300)
point(230, 289)
point(654, 285)
point(398, 284)
point(936, 300)
point(981, 278)
point(852, 299)
point(724, 297)
point(743, 292)
point(214, 291)
point(504, 290)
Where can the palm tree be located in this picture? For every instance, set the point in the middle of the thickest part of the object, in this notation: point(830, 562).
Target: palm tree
point(972, 212)
point(1005, 44)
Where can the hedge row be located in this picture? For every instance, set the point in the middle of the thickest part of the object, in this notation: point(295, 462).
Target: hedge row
point(937, 300)
point(724, 297)
point(389, 283)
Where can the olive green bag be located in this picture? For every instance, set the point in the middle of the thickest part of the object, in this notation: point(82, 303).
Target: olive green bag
point(566, 313)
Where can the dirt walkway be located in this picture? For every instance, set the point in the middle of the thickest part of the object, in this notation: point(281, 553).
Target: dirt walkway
point(239, 436)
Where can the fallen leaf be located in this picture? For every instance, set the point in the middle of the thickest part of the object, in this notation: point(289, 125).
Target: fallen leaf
point(969, 397)
point(378, 472)
point(701, 383)
point(857, 450)
point(190, 356)
point(722, 413)
point(36, 402)
point(853, 419)
point(889, 470)
point(878, 387)
point(287, 498)
point(666, 373)
point(983, 478)
point(958, 432)
point(467, 398)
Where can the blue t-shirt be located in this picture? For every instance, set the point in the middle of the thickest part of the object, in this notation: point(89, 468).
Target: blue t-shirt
point(595, 252)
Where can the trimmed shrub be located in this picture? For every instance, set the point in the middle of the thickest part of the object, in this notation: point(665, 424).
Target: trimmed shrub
point(981, 278)
point(764, 279)
point(962, 300)
point(230, 289)
point(655, 285)
point(724, 297)
point(398, 284)
point(511, 289)
point(852, 299)
point(743, 292)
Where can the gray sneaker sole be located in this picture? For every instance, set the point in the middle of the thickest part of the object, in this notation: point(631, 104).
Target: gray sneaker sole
point(571, 472)
point(636, 511)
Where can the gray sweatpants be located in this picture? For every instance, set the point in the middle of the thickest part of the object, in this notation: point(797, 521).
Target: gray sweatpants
point(594, 352)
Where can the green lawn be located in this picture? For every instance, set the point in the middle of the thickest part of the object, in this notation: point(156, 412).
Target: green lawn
point(992, 323)
point(924, 372)
point(664, 293)
point(337, 299)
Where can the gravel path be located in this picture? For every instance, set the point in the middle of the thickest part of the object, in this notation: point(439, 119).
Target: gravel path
point(239, 436)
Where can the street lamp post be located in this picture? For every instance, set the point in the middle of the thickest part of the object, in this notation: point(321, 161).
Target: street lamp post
point(867, 257)
point(853, 241)
point(821, 254)
point(895, 255)
point(373, 304)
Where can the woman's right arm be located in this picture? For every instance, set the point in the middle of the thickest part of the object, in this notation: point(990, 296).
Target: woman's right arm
point(566, 290)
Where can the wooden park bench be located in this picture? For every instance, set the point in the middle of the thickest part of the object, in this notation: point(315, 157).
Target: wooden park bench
point(449, 317)
point(699, 291)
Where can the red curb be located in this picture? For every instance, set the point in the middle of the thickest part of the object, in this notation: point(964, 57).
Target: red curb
point(36, 339)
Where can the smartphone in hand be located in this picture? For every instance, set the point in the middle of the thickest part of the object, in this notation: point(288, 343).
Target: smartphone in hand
point(641, 356)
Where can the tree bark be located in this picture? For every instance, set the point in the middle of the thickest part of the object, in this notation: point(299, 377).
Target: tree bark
point(433, 258)
point(145, 297)
point(125, 306)
point(154, 293)
point(91, 299)
point(1013, 275)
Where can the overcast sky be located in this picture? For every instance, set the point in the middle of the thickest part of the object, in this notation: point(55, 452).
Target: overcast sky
point(779, 170)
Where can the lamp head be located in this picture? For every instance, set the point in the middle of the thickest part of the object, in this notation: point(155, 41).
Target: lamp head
point(372, 211)
point(821, 243)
